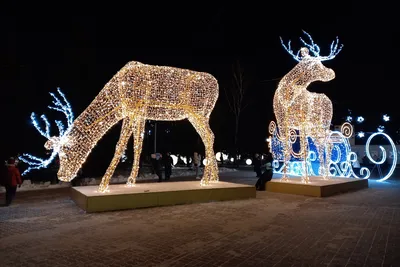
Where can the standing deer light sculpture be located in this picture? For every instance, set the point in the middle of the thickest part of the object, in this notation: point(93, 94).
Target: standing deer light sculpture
point(139, 92)
point(296, 108)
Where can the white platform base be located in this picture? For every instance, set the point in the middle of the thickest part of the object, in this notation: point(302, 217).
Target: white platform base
point(317, 186)
point(144, 195)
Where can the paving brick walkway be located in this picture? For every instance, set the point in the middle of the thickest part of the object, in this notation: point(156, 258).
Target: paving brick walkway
point(354, 229)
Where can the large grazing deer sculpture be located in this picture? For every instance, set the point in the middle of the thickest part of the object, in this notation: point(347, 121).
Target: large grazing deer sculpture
point(140, 92)
point(296, 108)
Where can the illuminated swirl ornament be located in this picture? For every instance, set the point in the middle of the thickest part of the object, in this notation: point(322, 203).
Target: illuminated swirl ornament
point(140, 92)
point(54, 143)
point(298, 109)
point(347, 130)
point(394, 153)
point(272, 127)
point(292, 136)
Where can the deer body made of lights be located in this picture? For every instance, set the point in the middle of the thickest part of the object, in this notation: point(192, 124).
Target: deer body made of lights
point(140, 92)
point(297, 109)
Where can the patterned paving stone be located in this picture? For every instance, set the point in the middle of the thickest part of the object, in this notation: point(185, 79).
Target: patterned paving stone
point(354, 229)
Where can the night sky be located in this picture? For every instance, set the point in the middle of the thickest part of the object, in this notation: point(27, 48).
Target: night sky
point(80, 53)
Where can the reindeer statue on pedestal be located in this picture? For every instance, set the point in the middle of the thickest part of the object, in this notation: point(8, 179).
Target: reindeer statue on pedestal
point(139, 92)
point(298, 109)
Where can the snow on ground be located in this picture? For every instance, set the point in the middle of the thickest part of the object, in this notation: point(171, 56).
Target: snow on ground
point(176, 172)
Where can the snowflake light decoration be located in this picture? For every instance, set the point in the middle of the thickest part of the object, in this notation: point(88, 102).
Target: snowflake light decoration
point(360, 119)
point(386, 117)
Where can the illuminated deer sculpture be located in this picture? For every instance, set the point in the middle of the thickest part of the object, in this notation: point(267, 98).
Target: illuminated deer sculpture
point(298, 109)
point(140, 92)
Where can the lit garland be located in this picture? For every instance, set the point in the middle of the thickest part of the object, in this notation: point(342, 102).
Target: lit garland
point(342, 158)
point(298, 110)
point(140, 92)
point(53, 143)
point(337, 143)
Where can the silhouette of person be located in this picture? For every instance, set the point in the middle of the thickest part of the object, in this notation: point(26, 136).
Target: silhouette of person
point(12, 179)
point(168, 162)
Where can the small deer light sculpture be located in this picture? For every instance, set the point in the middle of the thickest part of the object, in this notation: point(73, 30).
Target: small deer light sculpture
point(140, 92)
point(296, 108)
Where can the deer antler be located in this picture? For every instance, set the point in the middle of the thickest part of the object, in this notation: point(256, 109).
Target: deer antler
point(314, 49)
point(297, 57)
point(55, 141)
point(64, 108)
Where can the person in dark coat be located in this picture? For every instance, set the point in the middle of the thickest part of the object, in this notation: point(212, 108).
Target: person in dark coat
point(156, 162)
point(266, 175)
point(12, 180)
point(168, 162)
point(257, 165)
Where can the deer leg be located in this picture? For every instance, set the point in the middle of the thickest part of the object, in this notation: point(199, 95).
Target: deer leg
point(202, 127)
point(320, 158)
point(328, 152)
point(286, 154)
point(304, 149)
point(138, 133)
point(328, 155)
point(323, 158)
point(126, 132)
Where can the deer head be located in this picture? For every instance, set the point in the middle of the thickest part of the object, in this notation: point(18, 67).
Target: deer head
point(72, 153)
point(310, 67)
point(53, 143)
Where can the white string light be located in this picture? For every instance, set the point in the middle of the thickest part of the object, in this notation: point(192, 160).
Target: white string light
point(53, 143)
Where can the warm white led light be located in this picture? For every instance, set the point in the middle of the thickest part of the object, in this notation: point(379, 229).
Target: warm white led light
point(297, 109)
point(140, 92)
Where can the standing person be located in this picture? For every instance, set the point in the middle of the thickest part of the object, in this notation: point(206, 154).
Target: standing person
point(168, 162)
point(257, 165)
point(12, 179)
point(196, 163)
point(157, 165)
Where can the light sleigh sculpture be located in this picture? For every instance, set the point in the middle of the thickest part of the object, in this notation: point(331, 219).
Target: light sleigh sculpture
point(301, 141)
point(139, 92)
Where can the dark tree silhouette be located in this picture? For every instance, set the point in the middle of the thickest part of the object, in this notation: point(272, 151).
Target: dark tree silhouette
point(236, 95)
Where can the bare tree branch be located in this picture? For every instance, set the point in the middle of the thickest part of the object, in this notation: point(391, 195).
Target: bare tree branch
point(228, 99)
point(236, 96)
